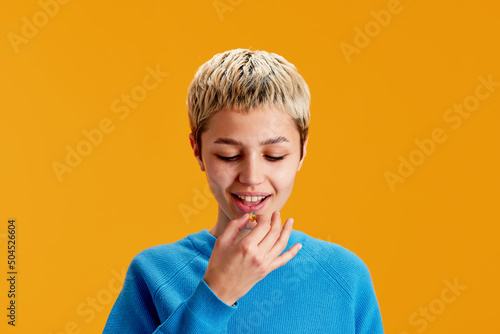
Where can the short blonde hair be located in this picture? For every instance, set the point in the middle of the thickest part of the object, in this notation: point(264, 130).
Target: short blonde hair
point(242, 79)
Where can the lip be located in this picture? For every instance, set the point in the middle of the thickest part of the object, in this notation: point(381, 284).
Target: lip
point(249, 193)
point(246, 208)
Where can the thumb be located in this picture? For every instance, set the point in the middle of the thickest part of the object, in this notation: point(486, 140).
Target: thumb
point(233, 228)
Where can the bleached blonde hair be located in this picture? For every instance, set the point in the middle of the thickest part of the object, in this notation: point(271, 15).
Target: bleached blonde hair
point(242, 80)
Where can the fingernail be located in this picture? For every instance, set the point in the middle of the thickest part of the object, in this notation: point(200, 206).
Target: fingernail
point(300, 246)
point(291, 221)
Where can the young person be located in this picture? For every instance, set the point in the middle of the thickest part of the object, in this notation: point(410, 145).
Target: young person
point(249, 118)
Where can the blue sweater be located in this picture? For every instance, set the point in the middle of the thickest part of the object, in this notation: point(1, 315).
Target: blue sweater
point(325, 288)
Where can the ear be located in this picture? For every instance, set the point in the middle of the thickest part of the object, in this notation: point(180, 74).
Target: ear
point(196, 152)
point(303, 153)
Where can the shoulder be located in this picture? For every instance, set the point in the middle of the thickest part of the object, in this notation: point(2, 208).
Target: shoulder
point(180, 248)
point(163, 260)
point(342, 265)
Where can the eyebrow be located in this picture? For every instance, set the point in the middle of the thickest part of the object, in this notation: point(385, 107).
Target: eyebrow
point(270, 141)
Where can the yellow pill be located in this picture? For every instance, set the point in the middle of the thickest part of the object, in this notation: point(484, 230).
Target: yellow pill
point(253, 216)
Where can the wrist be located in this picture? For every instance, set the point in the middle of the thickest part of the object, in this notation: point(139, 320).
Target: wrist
point(220, 292)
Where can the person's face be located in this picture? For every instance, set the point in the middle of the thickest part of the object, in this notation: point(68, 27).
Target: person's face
point(255, 155)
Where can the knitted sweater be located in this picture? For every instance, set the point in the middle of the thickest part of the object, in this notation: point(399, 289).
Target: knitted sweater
point(325, 288)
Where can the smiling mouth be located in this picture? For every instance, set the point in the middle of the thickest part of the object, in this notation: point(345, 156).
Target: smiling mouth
point(250, 200)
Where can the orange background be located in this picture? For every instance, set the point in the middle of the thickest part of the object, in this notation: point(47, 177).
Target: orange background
point(369, 107)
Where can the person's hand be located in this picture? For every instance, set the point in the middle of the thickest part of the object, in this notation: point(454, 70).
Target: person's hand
point(235, 267)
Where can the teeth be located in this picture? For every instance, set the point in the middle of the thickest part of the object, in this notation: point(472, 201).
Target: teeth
point(251, 198)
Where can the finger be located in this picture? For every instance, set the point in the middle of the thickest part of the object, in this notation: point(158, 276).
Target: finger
point(286, 256)
point(233, 228)
point(273, 234)
point(258, 232)
point(282, 241)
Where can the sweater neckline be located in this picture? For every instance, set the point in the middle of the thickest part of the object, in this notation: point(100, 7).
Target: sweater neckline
point(204, 242)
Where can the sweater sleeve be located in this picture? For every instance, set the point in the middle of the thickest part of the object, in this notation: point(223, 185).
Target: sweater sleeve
point(367, 312)
point(137, 311)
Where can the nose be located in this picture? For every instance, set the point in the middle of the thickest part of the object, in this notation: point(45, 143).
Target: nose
point(252, 170)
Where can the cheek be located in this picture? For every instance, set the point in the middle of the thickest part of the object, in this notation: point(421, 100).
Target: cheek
point(284, 177)
point(218, 174)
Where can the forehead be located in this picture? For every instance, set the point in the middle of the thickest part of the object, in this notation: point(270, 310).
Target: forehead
point(260, 123)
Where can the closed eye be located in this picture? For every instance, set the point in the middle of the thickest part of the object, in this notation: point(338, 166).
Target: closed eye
point(227, 158)
point(275, 158)
point(233, 158)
